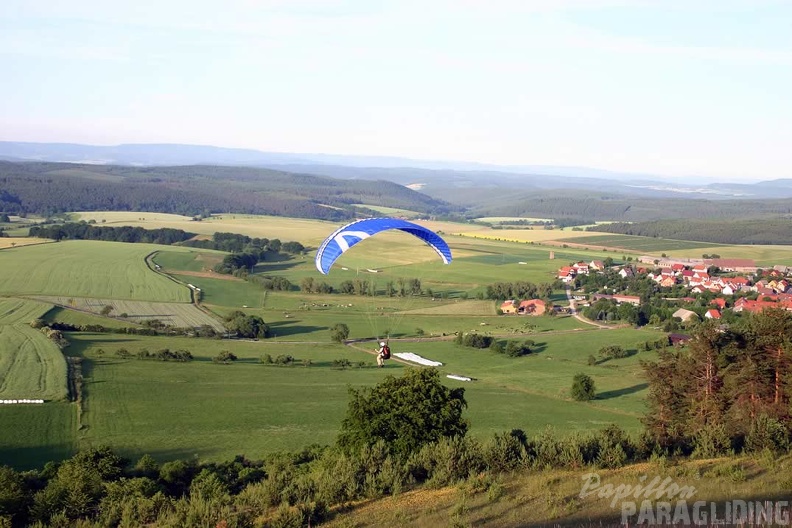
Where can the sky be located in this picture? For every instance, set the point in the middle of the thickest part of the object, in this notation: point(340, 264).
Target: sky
point(685, 88)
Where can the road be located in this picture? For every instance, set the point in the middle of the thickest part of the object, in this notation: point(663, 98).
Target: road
point(576, 315)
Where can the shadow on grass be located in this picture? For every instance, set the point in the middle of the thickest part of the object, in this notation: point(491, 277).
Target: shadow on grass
point(621, 392)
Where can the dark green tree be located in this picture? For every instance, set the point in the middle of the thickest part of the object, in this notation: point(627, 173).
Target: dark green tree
point(339, 332)
point(583, 388)
point(406, 412)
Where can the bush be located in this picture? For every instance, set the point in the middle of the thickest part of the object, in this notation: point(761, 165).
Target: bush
point(767, 433)
point(583, 388)
point(517, 349)
point(224, 357)
point(339, 333)
point(474, 340)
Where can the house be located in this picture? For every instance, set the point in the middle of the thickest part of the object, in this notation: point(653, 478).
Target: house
point(632, 299)
point(678, 339)
point(720, 302)
point(566, 274)
point(712, 314)
point(667, 282)
point(677, 267)
point(626, 272)
point(685, 315)
point(581, 268)
point(532, 307)
point(738, 265)
point(699, 268)
point(509, 307)
point(744, 305)
point(596, 265)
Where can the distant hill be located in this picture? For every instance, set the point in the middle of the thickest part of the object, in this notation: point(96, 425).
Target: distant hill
point(47, 188)
point(432, 177)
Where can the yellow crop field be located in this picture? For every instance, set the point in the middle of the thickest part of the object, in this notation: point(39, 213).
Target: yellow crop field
point(8, 242)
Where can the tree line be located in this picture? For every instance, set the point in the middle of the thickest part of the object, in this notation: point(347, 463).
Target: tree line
point(86, 231)
point(735, 231)
point(728, 390)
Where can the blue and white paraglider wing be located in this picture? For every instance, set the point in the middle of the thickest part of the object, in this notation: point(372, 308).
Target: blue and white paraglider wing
point(347, 236)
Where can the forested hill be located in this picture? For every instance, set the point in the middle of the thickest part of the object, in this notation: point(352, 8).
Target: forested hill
point(619, 207)
point(47, 188)
point(736, 231)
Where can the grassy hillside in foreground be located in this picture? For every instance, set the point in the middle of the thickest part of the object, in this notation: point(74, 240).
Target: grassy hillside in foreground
point(552, 497)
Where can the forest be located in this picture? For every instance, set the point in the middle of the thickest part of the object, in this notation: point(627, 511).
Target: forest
point(49, 188)
point(736, 231)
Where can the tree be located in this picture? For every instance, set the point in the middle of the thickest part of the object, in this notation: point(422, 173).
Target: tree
point(106, 309)
point(13, 494)
point(339, 332)
point(583, 387)
point(250, 326)
point(406, 412)
point(307, 285)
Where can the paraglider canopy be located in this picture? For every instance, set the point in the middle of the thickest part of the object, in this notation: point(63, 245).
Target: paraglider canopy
point(347, 236)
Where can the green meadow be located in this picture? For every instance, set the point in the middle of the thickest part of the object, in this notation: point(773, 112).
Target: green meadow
point(31, 365)
point(84, 268)
point(34, 434)
point(216, 411)
point(642, 244)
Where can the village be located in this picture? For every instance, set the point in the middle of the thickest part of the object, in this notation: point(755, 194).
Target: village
point(729, 284)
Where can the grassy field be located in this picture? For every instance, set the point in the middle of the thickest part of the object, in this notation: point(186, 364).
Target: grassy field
point(31, 366)
point(13, 311)
point(83, 268)
point(182, 315)
point(308, 232)
point(312, 232)
point(74, 317)
point(205, 409)
point(216, 411)
point(33, 434)
point(211, 410)
point(643, 244)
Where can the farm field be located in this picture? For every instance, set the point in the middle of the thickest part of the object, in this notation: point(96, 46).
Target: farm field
point(216, 411)
point(182, 315)
point(8, 242)
point(13, 311)
point(33, 434)
point(69, 316)
point(31, 366)
point(83, 268)
point(308, 232)
point(200, 408)
point(643, 244)
point(211, 410)
point(312, 232)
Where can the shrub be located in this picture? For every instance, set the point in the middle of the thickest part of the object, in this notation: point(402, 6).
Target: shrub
point(339, 333)
point(583, 388)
